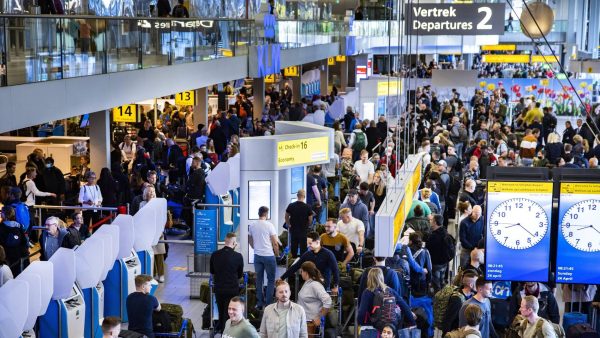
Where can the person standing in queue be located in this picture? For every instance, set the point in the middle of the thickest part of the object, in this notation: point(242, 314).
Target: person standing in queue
point(89, 196)
point(52, 238)
point(299, 217)
point(140, 306)
point(284, 318)
point(237, 326)
point(54, 181)
point(481, 299)
point(227, 267)
point(31, 192)
point(111, 327)
point(262, 237)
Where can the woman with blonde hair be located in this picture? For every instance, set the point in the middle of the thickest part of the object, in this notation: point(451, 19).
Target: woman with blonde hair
point(375, 286)
point(554, 148)
point(378, 188)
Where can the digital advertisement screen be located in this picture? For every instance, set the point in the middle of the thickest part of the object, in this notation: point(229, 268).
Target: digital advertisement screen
point(297, 174)
point(517, 239)
point(578, 244)
point(259, 194)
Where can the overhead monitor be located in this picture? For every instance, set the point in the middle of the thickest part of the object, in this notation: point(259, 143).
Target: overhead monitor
point(518, 218)
point(578, 243)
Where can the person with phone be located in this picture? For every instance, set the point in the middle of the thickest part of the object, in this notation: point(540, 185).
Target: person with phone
point(227, 267)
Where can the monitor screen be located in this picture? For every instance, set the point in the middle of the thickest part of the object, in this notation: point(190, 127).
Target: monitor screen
point(85, 121)
point(259, 194)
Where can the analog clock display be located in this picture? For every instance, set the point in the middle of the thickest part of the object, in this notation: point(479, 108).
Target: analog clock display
point(580, 226)
point(518, 223)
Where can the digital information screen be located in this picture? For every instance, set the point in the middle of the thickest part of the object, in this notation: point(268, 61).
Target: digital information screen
point(297, 174)
point(517, 240)
point(259, 194)
point(578, 244)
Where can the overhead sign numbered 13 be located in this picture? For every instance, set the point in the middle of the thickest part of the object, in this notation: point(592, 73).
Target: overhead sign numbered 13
point(125, 113)
point(455, 19)
point(187, 98)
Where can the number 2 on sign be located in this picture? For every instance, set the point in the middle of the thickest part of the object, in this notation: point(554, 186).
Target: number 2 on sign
point(488, 14)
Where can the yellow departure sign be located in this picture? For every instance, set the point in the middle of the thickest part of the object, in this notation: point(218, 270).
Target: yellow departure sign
point(499, 47)
point(303, 151)
point(340, 58)
point(330, 61)
point(292, 71)
point(187, 98)
point(125, 113)
point(514, 58)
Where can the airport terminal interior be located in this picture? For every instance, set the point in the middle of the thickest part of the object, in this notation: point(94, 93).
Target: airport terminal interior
point(300, 168)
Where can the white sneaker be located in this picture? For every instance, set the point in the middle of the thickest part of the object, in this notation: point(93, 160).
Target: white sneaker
point(161, 279)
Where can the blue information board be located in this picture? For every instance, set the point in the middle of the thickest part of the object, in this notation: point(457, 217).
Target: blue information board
point(578, 244)
point(297, 174)
point(517, 235)
point(205, 231)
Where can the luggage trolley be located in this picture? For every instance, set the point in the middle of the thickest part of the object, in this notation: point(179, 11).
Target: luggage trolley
point(213, 301)
point(183, 331)
point(337, 305)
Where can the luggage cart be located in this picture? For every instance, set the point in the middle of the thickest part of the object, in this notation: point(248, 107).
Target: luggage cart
point(183, 331)
point(213, 302)
point(336, 305)
point(320, 330)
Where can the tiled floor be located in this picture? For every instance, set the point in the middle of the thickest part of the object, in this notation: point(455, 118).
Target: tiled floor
point(176, 289)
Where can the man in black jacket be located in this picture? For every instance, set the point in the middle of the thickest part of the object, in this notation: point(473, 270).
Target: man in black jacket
point(54, 180)
point(227, 267)
point(437, 244)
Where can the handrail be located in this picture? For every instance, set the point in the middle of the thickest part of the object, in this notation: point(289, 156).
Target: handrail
point(73, 207)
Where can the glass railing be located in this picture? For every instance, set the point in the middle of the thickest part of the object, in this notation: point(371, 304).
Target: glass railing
point(375, 28)
point(559, 26)
point(43, 48)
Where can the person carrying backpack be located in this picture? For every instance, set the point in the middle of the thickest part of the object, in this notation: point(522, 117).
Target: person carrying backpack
point(450, 299)
point(14, 241)
point(358, 141)
point(420, 282)
point(442, 248)
point(534, 326)
point(473, 314)
point(381, 305)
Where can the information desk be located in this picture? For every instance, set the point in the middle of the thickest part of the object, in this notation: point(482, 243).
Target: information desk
point(517, 239)
point(578, 244)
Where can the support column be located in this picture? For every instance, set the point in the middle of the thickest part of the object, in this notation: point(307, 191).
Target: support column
point(258, 92)
point(594, 29)
point(344, 75)
point(324, 77)
point(99, 140)
point(296, 84)
point(201, 107)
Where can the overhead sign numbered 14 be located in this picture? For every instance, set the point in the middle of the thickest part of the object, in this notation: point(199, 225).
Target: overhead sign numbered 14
point(455, 19)
point(125, 113)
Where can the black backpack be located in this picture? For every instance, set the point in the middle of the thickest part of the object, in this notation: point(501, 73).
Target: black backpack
point(23, 187)
point(15, 236)
point(449, 251)
point(384, 310)
point(161, 321)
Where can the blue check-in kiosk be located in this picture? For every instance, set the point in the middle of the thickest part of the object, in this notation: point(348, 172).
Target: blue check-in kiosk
point(223, 189)
point(120, 279)
point(227, 215)
point(65, 315)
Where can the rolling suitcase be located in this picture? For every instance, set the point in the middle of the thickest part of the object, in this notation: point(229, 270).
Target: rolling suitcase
point(571, 318)
point(582, 330)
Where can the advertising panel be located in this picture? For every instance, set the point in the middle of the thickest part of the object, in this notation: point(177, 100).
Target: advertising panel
point(578, 244)
point(517, 226)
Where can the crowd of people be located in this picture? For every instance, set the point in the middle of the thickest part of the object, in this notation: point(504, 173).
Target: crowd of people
point(330, 227)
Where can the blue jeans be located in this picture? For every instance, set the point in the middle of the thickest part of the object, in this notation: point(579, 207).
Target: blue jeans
point(438, 276)
point(262, 264)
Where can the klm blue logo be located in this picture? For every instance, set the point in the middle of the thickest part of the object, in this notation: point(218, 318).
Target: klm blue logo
point(268, 64)
point(269, 25)
point(350, 45)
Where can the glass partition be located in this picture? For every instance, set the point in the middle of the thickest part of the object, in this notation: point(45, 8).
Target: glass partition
point(43, 48)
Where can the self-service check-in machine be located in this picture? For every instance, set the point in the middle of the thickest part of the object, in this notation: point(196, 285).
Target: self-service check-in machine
point(40, 277)
point(14, 307)
point(65, 315)
point(120, 280)
point(93, 260)
point(149, 223)
point(223, 191)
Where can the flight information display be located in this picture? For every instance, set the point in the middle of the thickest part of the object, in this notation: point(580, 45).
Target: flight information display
point(578, 244)
point(517, 235)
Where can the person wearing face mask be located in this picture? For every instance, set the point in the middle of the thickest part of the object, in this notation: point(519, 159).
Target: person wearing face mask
point(52, 238)
point(237, 326)
point(227, 267)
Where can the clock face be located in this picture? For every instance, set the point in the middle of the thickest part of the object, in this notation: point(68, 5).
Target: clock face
point(580, 225)
point(518, 223)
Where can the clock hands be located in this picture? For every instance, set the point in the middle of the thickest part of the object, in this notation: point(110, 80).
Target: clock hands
point(585, 226)
point(519, 225)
